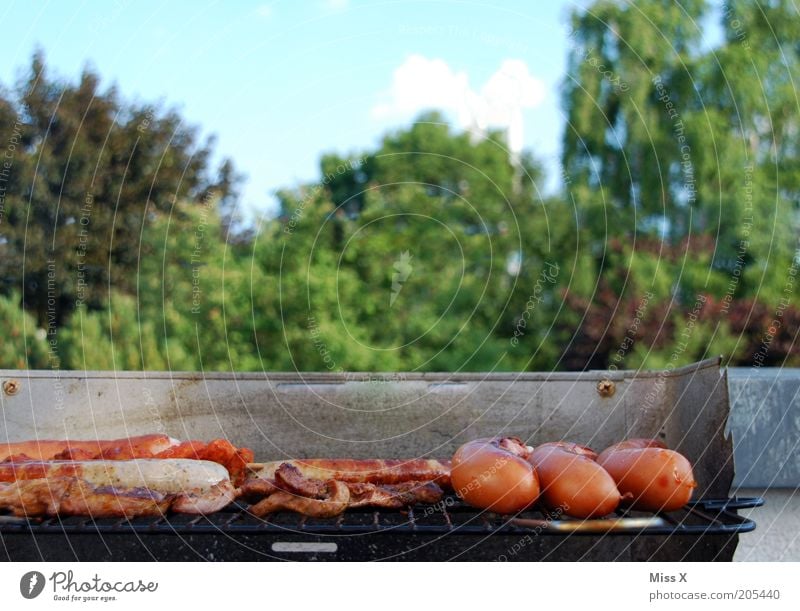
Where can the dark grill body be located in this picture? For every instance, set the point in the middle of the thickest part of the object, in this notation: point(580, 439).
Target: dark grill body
point(447, 531)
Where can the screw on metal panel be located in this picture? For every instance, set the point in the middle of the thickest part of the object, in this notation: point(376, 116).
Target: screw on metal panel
point(11, 387)
point(606, 388)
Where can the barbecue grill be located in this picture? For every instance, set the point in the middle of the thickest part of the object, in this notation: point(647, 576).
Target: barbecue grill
point(299, 415)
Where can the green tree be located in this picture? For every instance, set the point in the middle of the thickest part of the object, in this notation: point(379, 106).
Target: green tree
point(89, 172)
point(684, 179)
point(420, 254)
point(23, 346)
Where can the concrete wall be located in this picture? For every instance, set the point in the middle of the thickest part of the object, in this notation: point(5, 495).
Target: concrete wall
point(765, 423)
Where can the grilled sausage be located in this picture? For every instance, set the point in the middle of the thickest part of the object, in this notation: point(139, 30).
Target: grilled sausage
point(630, 444)
point(654, 479)
point(572, 482)
point(494, 474)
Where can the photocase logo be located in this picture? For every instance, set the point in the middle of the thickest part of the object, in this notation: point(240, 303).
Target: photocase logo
point(402, 270)
point(31, 584)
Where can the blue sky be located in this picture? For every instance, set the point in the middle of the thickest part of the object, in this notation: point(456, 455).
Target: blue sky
point(281, 82)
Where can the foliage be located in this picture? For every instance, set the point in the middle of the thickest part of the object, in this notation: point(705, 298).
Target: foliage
point(22, 346)
point(88, 171)
point(674, 237)
point(684, 179)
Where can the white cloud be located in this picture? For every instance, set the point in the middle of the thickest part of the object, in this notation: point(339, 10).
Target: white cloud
point(421, 83)
point(426, 83)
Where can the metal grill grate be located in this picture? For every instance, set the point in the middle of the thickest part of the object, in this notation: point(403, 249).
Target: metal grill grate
point(706, 517)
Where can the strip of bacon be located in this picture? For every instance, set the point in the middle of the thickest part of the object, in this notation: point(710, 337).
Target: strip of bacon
point(15, 471)
point(83, 499)
point(335, 502)
point(255, 489)
point(34, 498)
point(73, 454)
point(167, 476)
point(16, 458)
point(289, 479)
point(394, 496)
point(72, 496)
point(291, 491)
point(210, 501)
point(373, 471)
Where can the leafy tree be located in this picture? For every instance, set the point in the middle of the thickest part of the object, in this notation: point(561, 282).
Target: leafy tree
point(23, 346)
point(682, 174)
point(420, 254)
point(89, 172)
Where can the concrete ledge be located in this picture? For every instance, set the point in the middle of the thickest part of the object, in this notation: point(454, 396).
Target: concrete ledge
point(765, 423)
point(777, 534)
